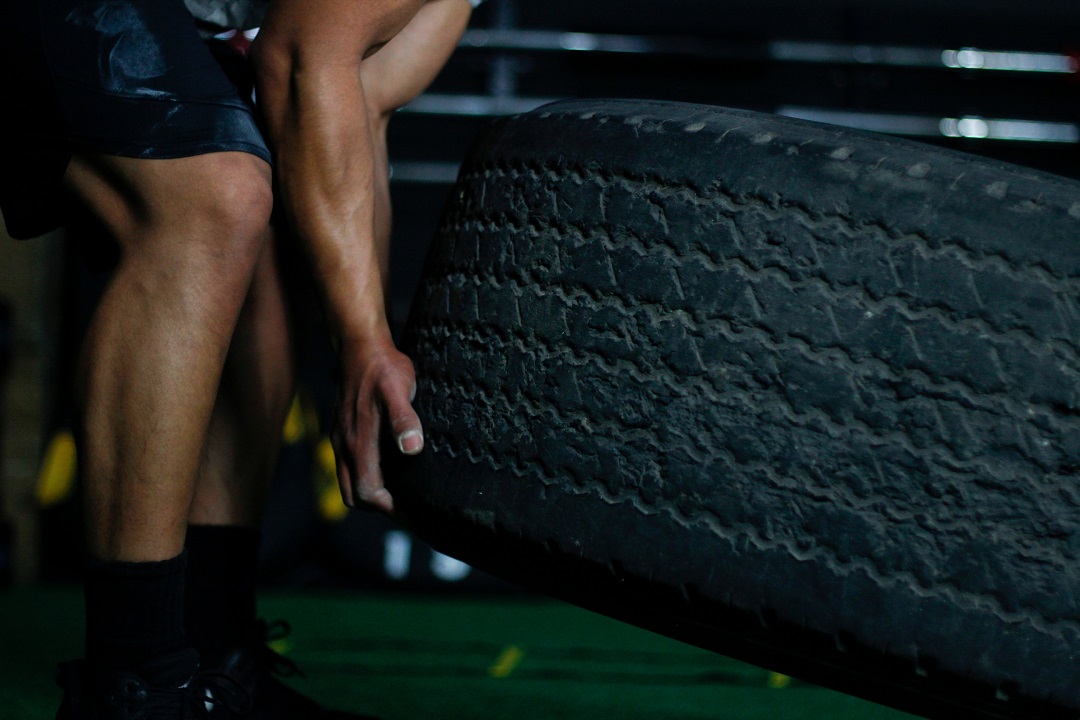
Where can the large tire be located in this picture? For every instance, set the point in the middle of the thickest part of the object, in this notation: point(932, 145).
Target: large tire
point(802, 395)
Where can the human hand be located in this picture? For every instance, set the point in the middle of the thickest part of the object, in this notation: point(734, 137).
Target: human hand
point(378, 382)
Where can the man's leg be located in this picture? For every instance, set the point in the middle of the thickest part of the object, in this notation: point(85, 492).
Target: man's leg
point(245, 434)
point(190, 232)
point(223, 537)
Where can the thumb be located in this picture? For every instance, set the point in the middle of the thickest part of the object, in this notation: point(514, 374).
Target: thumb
point(408, 431)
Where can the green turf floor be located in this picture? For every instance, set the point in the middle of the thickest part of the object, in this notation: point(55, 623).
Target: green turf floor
point(411, 658)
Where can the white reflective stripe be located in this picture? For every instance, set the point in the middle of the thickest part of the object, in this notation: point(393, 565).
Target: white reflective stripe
point(447, 568)
point(398, 548)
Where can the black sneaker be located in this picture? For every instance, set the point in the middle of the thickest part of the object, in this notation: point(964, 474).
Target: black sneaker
point(258, 669)
point(127, 696)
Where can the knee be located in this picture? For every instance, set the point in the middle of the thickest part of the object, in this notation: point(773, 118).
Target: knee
point(200, 224)
point(229, 213)
point(205, 227)
point(192, 228)
point(219, 200)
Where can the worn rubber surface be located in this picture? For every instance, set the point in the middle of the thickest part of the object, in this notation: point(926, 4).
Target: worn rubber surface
point(803, 395)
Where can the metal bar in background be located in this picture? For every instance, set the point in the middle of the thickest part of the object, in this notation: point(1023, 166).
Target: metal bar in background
point(975, 59)
point(7, 344)
point(835, 54)
point(473, 105)
point(923, 126)
point(424, 172)
point(560, 41)
point(890, 123)
point(504, 67)
point(962, 59)
point(975, 128)
point(968, 58)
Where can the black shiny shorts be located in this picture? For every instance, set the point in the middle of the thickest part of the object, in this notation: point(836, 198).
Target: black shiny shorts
point(122, 77)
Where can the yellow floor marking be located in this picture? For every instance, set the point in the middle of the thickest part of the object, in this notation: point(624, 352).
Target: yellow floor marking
point(281, 646)
point(56, 478)
point(294, 427)
point(302, 420)
point(329, 495)
point(778, 681)
point(507, 662)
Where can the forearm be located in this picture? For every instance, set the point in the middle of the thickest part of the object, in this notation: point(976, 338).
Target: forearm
point(329, 145)
point(327, 179)
point(392, 77)
point(312, 96)
point(327, 166)
point(381, 188)
point(409, 63)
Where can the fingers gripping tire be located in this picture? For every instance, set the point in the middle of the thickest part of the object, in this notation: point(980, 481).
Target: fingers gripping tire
point(799, 394)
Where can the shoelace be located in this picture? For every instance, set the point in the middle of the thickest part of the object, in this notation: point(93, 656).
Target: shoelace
point(220, 690)
point(275, 663)
point(202, 695)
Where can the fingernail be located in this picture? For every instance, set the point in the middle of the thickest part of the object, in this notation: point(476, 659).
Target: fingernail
point(410, 442)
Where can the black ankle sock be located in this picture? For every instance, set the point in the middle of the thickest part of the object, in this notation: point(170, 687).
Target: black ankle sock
point(135, 617)
point(220, 606)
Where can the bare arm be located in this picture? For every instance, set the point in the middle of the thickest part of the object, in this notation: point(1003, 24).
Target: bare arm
point(404, 68)
point(312, 93)
point(392, 77)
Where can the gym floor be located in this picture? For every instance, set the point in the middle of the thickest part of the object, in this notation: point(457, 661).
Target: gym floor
point(414, 657)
